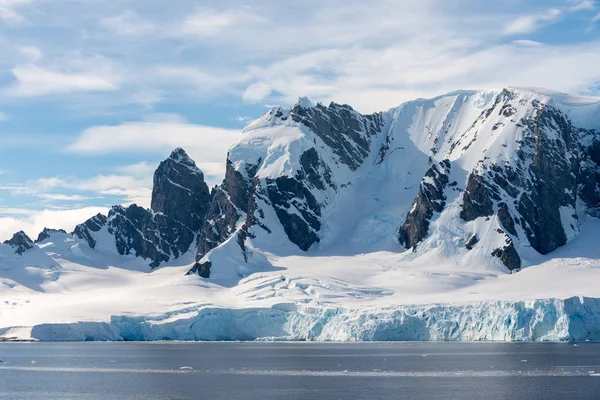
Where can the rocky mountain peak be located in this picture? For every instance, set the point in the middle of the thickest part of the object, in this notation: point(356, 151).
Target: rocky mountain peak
point(85, 230)
point(181, 157)
point(179, 190)
point(305, 102)
point(47, 233)
point(20, 242)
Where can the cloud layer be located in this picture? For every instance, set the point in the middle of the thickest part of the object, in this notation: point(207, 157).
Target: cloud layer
point(96, 93)
point(33, 222)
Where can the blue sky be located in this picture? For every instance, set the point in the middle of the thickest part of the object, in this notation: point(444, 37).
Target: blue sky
point(94, 93)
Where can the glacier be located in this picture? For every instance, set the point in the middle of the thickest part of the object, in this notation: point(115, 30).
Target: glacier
point(572, 319)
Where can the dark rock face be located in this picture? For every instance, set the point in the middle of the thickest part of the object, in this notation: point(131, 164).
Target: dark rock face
point(430, 199)
point(202, 269)
point(20, 242)
point(554, 180)
point(588, 178)
point(220, 223)
point(94, 224)
point(179, 190)
point(530, 192)
point(292, 199)
point(147, 234)
point(229, 202)
point(506, 219)
point(47, 232)
point(347, 132)
point(471, 242)
point(314, 171)
point(235, 200)
point(297, 210)
point(180, 201)
point(477, 201)
point(509, 256)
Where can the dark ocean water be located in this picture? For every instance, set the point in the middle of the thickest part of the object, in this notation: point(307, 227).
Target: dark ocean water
point(299, 371)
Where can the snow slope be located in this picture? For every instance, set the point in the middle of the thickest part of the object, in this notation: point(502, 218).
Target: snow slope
point(349, 194)
point(375, 296)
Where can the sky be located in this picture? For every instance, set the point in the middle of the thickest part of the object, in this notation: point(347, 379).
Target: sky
point(95, 93)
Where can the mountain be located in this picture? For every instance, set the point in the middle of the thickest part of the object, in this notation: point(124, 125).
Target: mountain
point(481, 196)
point(180, 199)
point(494, 177)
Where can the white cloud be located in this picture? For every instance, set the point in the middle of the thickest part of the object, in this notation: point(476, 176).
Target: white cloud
point(63, 197)
point(527, 43)
point(32, 80)
point(377, 79)
point(138, 170)
point(128, 23)
point(32, 222)
point(243, 119)
point(579, 5)
point(531, 23)
point(30, 53)
point(9, 13)
point(3, 116)
point(199, 82)
point(256, 92)
point(208, 22)
point(135, 189)
point(206, 145)
point(596, 18)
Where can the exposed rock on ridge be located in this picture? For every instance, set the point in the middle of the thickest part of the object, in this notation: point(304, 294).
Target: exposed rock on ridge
point(179, 190)
point(431, 198)
point(180, 200)
point(20, 242)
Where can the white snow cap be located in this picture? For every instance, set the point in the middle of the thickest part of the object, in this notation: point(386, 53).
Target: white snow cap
point(305, 102)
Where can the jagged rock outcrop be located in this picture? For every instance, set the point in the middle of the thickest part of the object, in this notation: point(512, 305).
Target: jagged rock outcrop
point(477, 200)
point(535, 194)
point(241, 197)
point(180, 200)
point(85, 231)
point(229, 203)
point(297, 209)
point(149, 235)
point(508, 255)
point(345, 131)
point(47, 233)
point(201, 268)
point(588, 179)
point(431, 198)
point(179, 190)
point(20, 242)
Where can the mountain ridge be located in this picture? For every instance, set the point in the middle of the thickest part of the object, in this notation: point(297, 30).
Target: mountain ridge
point(289, 167)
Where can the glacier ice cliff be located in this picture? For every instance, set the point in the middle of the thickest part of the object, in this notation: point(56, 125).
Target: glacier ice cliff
point(572, 319)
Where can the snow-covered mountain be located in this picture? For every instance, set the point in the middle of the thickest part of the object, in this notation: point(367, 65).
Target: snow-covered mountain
point(468, 197)
point(494, 178)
